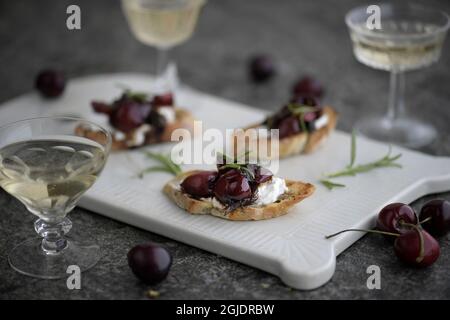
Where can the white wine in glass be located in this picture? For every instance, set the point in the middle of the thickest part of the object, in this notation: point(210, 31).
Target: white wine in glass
point(410, 38)
point(162, 24)
point(48, 167)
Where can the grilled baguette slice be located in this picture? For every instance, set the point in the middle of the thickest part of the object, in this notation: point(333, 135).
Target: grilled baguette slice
point(297, 191)
point(183, 119)
point(301, 142)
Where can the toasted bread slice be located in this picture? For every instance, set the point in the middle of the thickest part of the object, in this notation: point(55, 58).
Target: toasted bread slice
point(183, 119)
point(301, 142)
point(297, 191)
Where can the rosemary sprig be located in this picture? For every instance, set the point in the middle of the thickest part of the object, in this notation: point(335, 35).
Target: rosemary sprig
point(166, 164)
point(386, 161)
point(133, 95)
point(230, 163)
point(242, 167)
point(331, 185)
point(299, 110)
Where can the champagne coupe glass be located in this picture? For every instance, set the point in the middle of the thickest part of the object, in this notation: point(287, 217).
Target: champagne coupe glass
point(411, 37)
point(47, 167)
point(163, 24)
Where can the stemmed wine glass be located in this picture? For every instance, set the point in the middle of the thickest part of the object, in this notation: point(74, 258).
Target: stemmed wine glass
point(47, 167)
point(163, 24)
point(411, 37)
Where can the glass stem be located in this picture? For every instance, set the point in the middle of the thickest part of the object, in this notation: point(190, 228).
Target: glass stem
point(53, 240)
point(396, 105)
point(161, 61)
point(162, 77)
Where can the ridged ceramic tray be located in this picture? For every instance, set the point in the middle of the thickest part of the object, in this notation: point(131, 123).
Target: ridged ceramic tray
point(293, 246)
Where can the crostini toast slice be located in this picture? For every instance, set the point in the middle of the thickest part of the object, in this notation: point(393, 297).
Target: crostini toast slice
point(301, 142)
point(297, 191)
point(183, 119)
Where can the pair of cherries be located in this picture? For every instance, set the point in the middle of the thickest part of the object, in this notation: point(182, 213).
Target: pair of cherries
point(414, 234)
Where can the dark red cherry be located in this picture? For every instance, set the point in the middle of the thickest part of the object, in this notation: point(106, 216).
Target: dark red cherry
point(50, 83)
point(262, 175)
point(165, 99)
point(438, 211)
point(390, 216)
point(288, 126)
point(199, 184)
point(149, 262)
point(101, 107)
point(308, 86)
point(407, 247)
point(261, 68)
point(128, 116)
point(232, 186)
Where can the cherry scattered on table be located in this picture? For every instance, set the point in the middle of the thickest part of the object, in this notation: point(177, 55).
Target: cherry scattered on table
point(50, 83)
point(417, 247)
point(262, 68)
point(390, 216)
point(149, 262)
point(438, 211)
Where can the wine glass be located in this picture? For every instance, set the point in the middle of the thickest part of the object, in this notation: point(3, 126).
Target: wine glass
point(47, 167)
point(411, 37)
point(163, 24)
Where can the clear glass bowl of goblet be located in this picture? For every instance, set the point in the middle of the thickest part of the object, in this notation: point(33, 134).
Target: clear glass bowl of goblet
point(408, 37)
point(48, 167)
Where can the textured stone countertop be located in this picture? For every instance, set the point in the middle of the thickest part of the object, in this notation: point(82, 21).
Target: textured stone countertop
point(305, 37)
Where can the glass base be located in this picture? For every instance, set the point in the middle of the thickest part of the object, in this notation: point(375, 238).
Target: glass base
point(28, 258)
point(406, 132)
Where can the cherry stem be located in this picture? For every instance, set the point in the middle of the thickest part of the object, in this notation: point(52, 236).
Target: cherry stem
point(422, 241)
point(363, 230)
point(425, 220)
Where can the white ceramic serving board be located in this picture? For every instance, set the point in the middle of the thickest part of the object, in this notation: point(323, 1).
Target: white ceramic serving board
point(293, 246)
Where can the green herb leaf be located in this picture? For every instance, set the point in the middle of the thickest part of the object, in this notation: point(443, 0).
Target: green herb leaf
point(386, 161)
point(331, 185)
point(298, 109)
point(166, 164)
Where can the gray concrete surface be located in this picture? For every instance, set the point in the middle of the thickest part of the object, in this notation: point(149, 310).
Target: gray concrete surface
point(305, 37)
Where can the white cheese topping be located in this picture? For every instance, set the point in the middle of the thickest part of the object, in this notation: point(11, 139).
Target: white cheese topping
point(215, 203)
point(269, 192)
point(168, 113)
point(321, 121)
point(138, 136)
point(119, 135)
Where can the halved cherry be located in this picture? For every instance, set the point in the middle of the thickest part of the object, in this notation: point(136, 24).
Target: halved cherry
point(232, 186)
point(288, 126)
point(199, 184)
point(102, 107)
point(128, 115)
point(165, 99)
point(262, 175)
point(308, 86)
